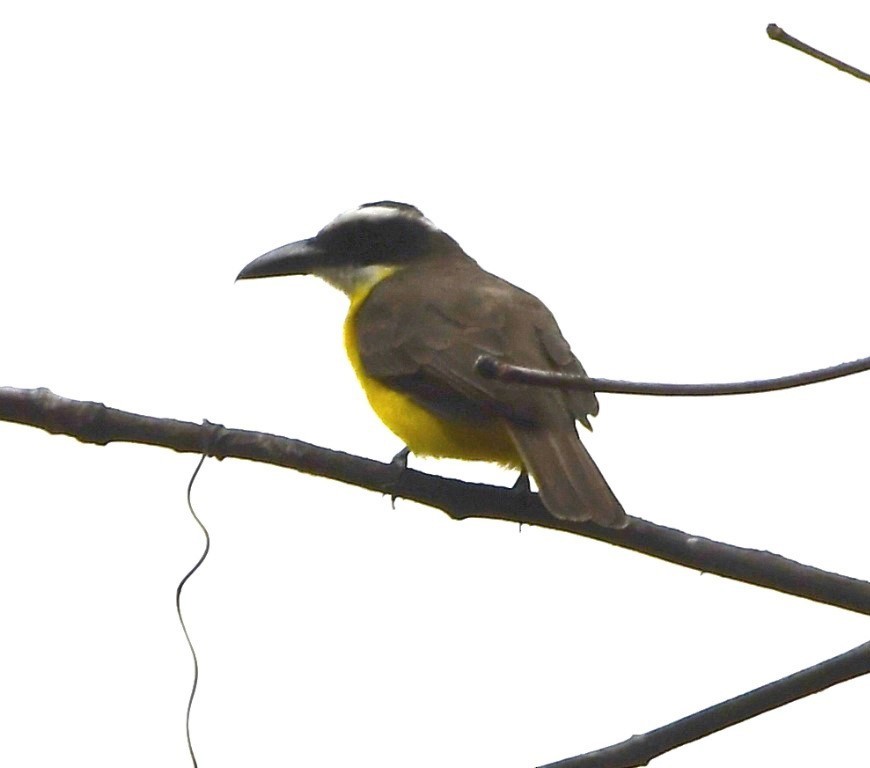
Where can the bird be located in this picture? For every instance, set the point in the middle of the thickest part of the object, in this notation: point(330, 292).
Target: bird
point(422, 312)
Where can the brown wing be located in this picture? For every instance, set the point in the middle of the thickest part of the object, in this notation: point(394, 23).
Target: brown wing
point(422, 330)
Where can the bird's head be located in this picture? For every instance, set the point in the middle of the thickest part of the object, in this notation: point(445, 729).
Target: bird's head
point(359, 247)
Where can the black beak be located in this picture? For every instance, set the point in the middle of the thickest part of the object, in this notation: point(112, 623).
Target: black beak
point(294, 259)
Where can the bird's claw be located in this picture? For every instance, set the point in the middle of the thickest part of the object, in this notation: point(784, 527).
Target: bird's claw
point(522, 485)
point(522, 488)
point(400, 460)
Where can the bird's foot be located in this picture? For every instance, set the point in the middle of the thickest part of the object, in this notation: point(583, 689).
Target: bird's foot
point(400, 460)
point(522, 485)
point(522, 488)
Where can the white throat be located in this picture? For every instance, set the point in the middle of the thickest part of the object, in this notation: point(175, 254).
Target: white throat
point(350, 280)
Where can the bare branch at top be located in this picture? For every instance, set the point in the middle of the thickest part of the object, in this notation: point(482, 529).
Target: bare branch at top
point(781, 36)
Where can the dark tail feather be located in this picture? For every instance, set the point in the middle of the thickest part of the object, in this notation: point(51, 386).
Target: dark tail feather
point(571, 485)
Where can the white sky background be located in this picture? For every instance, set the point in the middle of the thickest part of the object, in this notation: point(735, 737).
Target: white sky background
point(688, 197)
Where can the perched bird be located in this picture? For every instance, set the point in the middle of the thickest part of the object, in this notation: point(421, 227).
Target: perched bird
point(421, 312)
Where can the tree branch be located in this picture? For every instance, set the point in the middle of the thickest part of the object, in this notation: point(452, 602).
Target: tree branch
point(781, 36)
point(95, 423)
point(639, 750)
point(493, 368)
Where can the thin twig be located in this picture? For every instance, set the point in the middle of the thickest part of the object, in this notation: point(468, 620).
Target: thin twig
point(95, 423)
point(640, 749)
point(781, 36)
point(493, 368)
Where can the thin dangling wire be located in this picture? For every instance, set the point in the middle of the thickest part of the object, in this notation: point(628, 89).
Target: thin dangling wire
point(178, 606)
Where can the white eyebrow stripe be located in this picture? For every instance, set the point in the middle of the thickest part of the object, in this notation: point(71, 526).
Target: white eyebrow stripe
point(375, 212)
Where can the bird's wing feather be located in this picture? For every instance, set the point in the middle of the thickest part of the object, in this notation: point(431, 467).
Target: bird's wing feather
point(423, 335)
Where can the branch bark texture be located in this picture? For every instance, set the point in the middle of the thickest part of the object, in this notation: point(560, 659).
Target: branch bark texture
point(92, 422)
point(640, 749)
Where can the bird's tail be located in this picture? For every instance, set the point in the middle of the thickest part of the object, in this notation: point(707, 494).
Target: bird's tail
point(571, 485)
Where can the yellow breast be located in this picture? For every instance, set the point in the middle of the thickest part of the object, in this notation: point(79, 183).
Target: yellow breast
point(425, 433)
